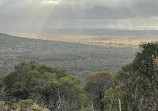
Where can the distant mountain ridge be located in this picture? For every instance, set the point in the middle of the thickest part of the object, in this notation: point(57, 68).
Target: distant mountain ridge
point(91, 32)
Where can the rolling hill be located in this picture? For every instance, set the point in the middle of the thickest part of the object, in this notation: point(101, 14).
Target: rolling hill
point(79, 60)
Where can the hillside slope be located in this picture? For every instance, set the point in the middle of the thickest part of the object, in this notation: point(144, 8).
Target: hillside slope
point(76, 59)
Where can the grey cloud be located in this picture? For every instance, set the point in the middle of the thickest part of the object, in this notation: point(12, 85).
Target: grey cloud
point(20, 13)
point(89, 9)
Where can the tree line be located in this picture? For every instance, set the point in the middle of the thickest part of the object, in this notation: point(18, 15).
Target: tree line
point(35, 87)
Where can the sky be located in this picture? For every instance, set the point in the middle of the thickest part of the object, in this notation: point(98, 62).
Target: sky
point(36, 15)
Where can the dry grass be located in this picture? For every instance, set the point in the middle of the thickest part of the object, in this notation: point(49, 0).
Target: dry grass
point(116, 41)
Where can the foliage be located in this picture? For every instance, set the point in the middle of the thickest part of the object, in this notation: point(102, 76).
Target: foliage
point(33, 83)
point(95, 86)
point(111, 97)
point(139, 80)
point(27, 105)
point(76, 59)
point(3, 106)
point(32, 86)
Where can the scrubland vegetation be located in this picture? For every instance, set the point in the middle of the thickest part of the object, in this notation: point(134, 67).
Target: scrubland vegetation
point(79, 60)
point(36, 87)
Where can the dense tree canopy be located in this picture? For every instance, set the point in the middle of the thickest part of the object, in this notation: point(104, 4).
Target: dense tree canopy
point(48, 87)
point(32, 86)
point(139, 80)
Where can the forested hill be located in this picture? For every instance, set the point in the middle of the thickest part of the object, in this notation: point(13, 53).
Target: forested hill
point(76, 59)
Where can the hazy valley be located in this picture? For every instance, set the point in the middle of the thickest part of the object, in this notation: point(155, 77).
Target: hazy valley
point(76, 58)
point(100, 36)
point(78, 55)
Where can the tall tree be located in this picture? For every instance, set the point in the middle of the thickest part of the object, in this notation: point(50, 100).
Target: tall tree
point(96, 85)
point(139, 80)
point(112, 98)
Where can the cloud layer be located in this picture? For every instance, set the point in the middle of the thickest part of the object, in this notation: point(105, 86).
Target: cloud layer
point(56, 12)
point(102, 9)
